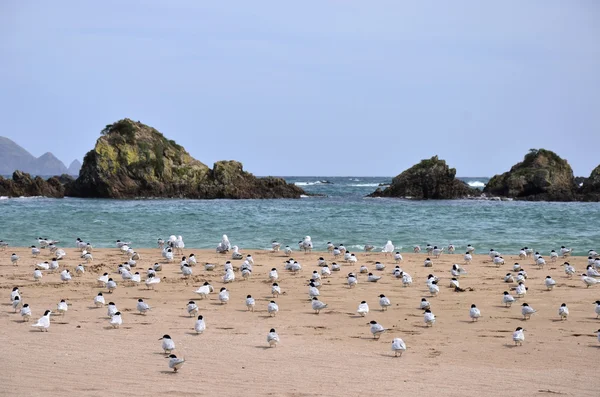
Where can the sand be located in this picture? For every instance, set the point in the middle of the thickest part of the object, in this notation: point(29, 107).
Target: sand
point(332, 353)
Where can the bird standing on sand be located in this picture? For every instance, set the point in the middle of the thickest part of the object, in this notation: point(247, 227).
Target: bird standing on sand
point(142, 306)
point(62, 307)
point(527, 311)
point(250, 303)
point(424, 305)
point(175, 363)
point(14, 259)
point(429, 318)
point(508, 299)
point(563, 311)
point(384, 302)
point(317, 305)
point(474, 313)
point(116, 320)
point(275, 290)
point(363, 308)
point(223, 295)
point(44, 322)
point(26, 312)
point(200, 325)
point(272, 338)
point(99, 300)
point(398, 346)
point(272, 308)
point(588, 281)
point(549, 282)
point(376, 329)
point(518, 336)
point(168, 345)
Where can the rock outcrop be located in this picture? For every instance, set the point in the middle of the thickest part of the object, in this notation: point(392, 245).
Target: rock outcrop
point(430, 179)
point(590, 189)
point(22, 184)
point(541, 176)
point(133, 160)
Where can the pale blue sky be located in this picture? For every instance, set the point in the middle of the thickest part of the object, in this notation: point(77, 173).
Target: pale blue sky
point(310, 88)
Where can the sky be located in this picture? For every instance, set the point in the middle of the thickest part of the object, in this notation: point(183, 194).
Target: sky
point(331, 88)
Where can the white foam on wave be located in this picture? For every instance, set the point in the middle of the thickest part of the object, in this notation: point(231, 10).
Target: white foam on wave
point(476, 184)
point(304, 196)
point(307, 183)
point(364, 184)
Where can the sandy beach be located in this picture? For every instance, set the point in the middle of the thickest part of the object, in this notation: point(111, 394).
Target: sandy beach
point(332, 353)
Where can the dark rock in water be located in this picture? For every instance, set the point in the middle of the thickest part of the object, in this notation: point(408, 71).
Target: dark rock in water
point(541, 176)
point(22, 184)
point(326, 182)
point(430, 179)
point(590, 188)
point(132, 160)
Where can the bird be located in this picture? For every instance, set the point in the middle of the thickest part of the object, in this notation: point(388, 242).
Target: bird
point(44, 322)
point(563, 311)
point(373, 278)
point(275, 290)
point(553, 256)
point(315, 276)
point(384, 302)
point(363, 308)
point(352, 280)
point(236, 255)
point(62, 307)
point(521, 289)
point(470, 249)
point(17, 303)
point(175, 363)
point(527, 311)
point(14, 259)
point(507, 299)
point(406, 279)
point(37, 274)
point(65, 276)
point(550, 283)
point(192, 308)
point(474, 313)
point(597, 308)
point(591, 271)
point(229, 276)
point(540, 261)
point(200, 325)
point(379, 266)
point(369, 247)
point(99, 300)
point(498, 260)
point(186, 270)
point(26, 312)
point(14, 292)
point(451, 248)
point(272, 308)
point(204, 290)
point(376, 329)
point(35, 251)
point(273, 276)
point(103, 279)
point(429, 318)
point(434, 290)
point(588, 281)
point(79, 270)
point(325, 271)
point(424, 305)
point(398, 257)
point(598, 332)
point(428, 263)
point(313, 291)
point(388, 248)
point(518, 336)
point(569, 270)
point(398, 346)
point(330, 247)
point(457, 271)
point(272, 338)
point(287, 250)
point(168, 345)
point(275, 246)
point(116, 320)
point(454, 283)
point(151, 281)
point(468, 257)
point(250, 303)
point(416, 249)
point(111, 285)
point(317, 305)
point(223, 295)
point(437, 251)
point(509, 278)
point(142, 306)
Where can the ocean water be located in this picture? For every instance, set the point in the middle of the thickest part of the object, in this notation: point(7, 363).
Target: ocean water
point(343, 216)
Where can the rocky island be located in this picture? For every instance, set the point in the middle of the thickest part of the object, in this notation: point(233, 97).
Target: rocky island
point(430, 179)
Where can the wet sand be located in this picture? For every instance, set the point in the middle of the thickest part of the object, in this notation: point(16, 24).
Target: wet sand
point(332, 353)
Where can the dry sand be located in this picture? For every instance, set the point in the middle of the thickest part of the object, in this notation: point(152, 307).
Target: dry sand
point(328, 354)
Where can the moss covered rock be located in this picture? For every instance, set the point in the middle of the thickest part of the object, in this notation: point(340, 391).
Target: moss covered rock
point(430, 179)
point(132, 160)
point(23, 185)
point(542, 175)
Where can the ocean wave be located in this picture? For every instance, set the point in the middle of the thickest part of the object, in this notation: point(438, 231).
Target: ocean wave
point(476, 184)
point(3, 197)
point(21, 197)
point(364, 184)
point(307, 183)
point(304, 196)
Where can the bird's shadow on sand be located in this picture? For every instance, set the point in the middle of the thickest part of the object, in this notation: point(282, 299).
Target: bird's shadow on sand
point(168, 372)
point(263, 347)
point(193, 333)
point(36, 330)
point(356, 316)
point(509, 346)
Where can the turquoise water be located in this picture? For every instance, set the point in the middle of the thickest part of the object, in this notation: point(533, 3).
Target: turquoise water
point(345, 216)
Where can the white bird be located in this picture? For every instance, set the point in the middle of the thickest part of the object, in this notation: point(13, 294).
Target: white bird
point(315, 276)
point(398, 346)
point(388, 248)
point(65, 276)
point(454, 283)
point(168, 344)
point(363, 308)
point(275, 246)
point(527, 311)
point(373, 278)
point(35, 251)
point(427, 263)
point(103, 279)
point(200, 325)
point(250, 303)
point(352, 280)
point(352, 259)
point(384, 302)
point(99, 300)
point(564, 251)
point(272, 338)
point(111, 285)
point(79, 270)
point(434, 290)
point(223, 295)
point(597, 308)
point(325, 271)
point(307, 244)
point(470, 249)
point(591, 272)
point(14, 259)
point(335, 267)
point(549, 282)
point(175, 363)
point(398, 257)
point(516, 267)
point(588, 281)
point(317, 305)
point(336, 252)
point(569, 270)
point(37, 274)
point(112, 309)
point(451, 248)
point(474, 313)
point(553, 256)
point(330, 247)
point(204, 290)
point(379, 266)
point(151, 281)
point(26, 312)
point(518, 336)
point(62, 307)
point(142, 306)
point(498, 260)
point(424, 305)
point(563, 311)
point(272, 308)
point(313, 291)
point(509, 278)
point(15, 292)
point(507, 299)
point(273, 275)
point(229, 276)
point(416, 249)
point(236, 255)
point(540, 261)
point(186, 270)
point(44, 322)
point(406, 279)
point(522, 253)
point(17, 303)
point(287, 250)
point(42, 266)
point(457, 271)
point(437, 251)
point(116, 320)
point(376, 329)
point(275, 289)
point(521, 289)
point(192, 308)
point(429, 318)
